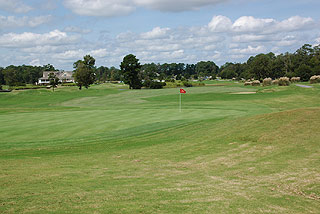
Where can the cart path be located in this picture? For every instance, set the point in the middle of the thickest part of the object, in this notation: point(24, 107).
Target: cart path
point(304, 86)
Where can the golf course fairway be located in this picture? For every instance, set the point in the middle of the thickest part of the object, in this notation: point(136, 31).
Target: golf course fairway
point(108, 149)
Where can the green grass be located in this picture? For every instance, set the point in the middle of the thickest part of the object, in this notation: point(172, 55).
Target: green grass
point(113, 150)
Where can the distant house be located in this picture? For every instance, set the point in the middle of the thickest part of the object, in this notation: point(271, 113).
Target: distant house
point(64, 77)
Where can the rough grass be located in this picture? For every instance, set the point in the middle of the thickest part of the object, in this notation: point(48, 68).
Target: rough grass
point(106, 150)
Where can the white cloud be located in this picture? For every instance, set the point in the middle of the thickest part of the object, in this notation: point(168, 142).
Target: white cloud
point(38, 20)
point(76, 54)
point(244, 38)
point(249, 50)
point(220, 24)
point(12, 21)
point(237, 56)
point(295, 23)
point(28, 39)
point(70, 55)
point(167, 56)
point(217, 55)
point(99, 53)
point(15, 6)
point(100, 8)
point(74, 29)
point(126, 36)
point(176, 5)
point(221, 40)
point(124, 7)
point(35, 62)
point(43, 49)
point(287, 41)
point(210, 47)
point(251, 24)
point(175, 54)
point(157, 47)
point(48, 5)
point(170, 44)
point(156, 33)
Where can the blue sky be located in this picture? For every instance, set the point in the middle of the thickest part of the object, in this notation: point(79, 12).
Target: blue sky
point(60, 32)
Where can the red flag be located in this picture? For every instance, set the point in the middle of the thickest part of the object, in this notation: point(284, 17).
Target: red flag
point(182, 91)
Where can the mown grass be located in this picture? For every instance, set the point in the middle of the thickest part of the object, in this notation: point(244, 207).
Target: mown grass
point(113, 150)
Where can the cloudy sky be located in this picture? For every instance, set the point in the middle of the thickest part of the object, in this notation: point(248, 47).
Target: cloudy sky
point(60, 32)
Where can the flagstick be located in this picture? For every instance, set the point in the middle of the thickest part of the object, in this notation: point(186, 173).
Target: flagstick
point(180, 103)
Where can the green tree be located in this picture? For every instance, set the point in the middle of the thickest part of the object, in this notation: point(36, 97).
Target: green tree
point(89, 61)
point(189, 70)
point(149, 71)
point(130, 68)
point(304, 72)
point(260, 66)
point(208, 68)
point(201, 76)
point(278, 68)
point(161, 76)
point(2, 82)
point(115, 74)
point(48, 67)
point(54, 80)
point(304, 54)
point(102, 73)
point(84, 72)
point(12, 76)
point(20, 75)
point(228, 71)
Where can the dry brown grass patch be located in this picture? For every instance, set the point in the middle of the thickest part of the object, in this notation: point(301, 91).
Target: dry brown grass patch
point(267, 81)
point(315, 79)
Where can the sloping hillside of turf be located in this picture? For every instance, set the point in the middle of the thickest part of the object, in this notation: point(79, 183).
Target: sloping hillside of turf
point(133, 152)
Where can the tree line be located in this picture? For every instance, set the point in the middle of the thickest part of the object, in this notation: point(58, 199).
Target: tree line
point(304, 63)
point(162, 71)
point(23, 74)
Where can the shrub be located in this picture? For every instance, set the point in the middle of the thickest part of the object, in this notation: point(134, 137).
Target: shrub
point(267, 81)
point(275, 82)
point(18, 84)
point(147, 83)
point(256, 83)
point(247, 83)
point(29, 86)
point(156, 85)
point(153, 85)
point(69, 84)
point(295, 79)
point(114, 82)
point(284, 81)
point(170, 80)
point(315, 79)
point(187, 84)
